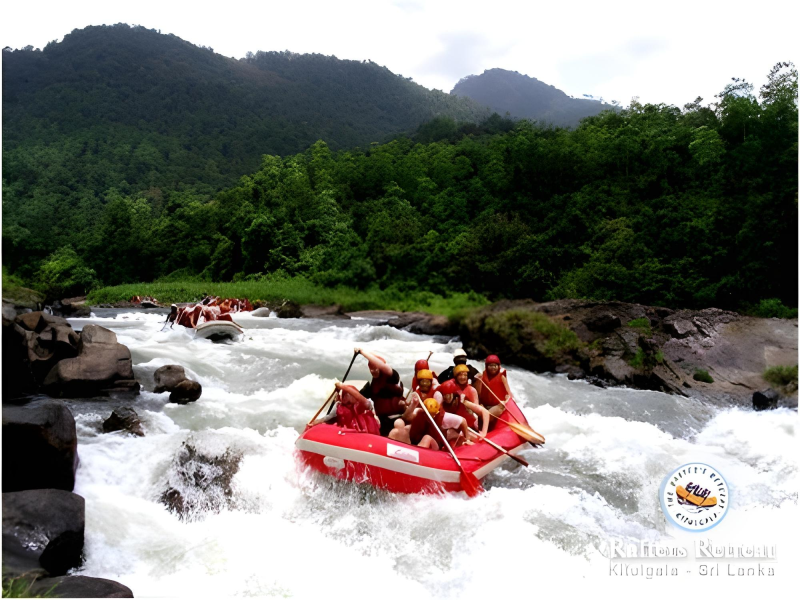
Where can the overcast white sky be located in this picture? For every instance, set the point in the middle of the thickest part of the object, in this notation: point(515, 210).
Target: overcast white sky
point(660, 51)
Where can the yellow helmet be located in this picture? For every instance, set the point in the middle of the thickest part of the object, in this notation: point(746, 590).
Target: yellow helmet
point(425, 374)
point(460, 369)
point(432, 405)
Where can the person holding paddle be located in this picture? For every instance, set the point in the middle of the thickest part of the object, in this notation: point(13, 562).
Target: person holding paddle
point(492, 386)
point(354, 411)
point(385, 390)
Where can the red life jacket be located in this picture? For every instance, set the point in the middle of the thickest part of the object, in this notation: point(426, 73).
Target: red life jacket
point(458, 408)
point(496, 385)
point(358, 417)
point(421, 426)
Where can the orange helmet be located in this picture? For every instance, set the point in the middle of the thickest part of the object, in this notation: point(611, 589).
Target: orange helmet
point(432, 405)
point(424, 374)
point(460, 369)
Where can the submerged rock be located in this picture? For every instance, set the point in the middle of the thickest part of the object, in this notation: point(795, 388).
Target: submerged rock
point(40, 446)
point(289, 310)
point(79, 586)
point(186, 391)
point(766, 399)
point(48, 523)
point(124, 419)
point(199, 481)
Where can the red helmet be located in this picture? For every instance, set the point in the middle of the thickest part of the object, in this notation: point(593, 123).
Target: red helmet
point(448, 387)
point(420, 365)
point(492, 359)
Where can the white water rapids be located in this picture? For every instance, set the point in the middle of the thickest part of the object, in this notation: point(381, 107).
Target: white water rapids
point(289, 533)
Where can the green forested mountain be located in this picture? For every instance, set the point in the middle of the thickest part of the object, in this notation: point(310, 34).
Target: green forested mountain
point(689, 207)
point(137, 111)
point(524, 97)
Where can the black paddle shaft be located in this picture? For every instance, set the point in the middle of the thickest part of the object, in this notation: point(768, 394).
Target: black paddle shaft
point(355, 354)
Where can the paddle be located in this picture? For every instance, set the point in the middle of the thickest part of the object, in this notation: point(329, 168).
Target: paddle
point(501, 449)
point(333, 393)
point(469, 482)
point(521, 430)
point(330, 408)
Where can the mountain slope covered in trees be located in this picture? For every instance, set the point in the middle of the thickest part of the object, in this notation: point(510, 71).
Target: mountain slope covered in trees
point(130, 109)
point(524, 97)
point(653, 204)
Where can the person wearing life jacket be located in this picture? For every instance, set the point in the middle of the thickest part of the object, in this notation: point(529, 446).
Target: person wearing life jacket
point(172, 316)
point(459, 358)
point(492, 386)
point(354, 411)
point(422, 365)
point(385, 390)
point(413, 419)
point(464, 403)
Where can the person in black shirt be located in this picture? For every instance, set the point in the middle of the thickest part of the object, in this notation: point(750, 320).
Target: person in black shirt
point(459, 358)
point(385, 390)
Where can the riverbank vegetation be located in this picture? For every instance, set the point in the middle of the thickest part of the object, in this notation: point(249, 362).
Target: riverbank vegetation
point(689, 207)
point(274, 290)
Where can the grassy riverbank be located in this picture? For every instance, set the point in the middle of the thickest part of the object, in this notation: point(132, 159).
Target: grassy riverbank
point(299, 290)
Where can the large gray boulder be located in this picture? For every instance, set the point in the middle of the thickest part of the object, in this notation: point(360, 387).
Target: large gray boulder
point(102, 366)
point(48, 523)
point(79, 586)
point(40, 446)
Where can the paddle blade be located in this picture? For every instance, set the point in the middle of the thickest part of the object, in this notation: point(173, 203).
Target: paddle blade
point(526, 433)
point(470, 484)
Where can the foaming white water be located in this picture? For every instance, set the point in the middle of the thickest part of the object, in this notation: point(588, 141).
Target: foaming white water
point(286, 532)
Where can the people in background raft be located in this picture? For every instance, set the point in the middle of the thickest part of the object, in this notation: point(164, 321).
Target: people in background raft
point(422, 365)
point(464, 403)
point(354, 411)
point(492, 386)
point(459, 358)
point(385, 390)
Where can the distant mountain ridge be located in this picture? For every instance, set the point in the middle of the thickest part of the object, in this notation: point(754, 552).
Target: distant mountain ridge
point(525, 97)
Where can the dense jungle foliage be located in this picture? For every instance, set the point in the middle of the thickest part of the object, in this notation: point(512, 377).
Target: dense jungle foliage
point(693, 208)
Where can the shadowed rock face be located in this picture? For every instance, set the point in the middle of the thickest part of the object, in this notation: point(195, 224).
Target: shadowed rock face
point(79, 586)
point(102, 366)
point(40, 446)
point(641, 346)
point(48, 524)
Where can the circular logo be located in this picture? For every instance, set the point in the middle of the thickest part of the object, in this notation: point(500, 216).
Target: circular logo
point(695, 497)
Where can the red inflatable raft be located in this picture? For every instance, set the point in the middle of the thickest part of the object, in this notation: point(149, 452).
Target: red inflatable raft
point(363, 457)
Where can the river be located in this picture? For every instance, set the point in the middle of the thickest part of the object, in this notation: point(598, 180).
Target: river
point(290, 533)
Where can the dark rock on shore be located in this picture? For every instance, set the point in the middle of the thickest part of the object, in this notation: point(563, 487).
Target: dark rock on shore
point(102, 367)
point(289, 310)
point(71, 307)
point(316, 311)
point(124, 419)
point(200, 481)
point(423, 324)
point(40, 446)
point(79, 586)
point(49, 523)
point(640, 346)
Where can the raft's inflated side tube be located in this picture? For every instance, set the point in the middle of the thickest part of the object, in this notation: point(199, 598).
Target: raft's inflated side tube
point(399, 467)
point(217, 330)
